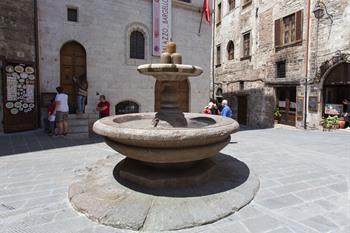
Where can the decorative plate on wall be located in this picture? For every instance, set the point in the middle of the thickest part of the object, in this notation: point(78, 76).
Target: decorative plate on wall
point(25, 105)
point(31, 77)
point(31, 105)
point(19, 69)
point(14, 111)
point(9, 69)
point(15, 75)
point(24, 75)
point(29, 70)
point(18, 104)
point(9, 105)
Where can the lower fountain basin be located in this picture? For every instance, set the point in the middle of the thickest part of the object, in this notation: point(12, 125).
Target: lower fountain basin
point(135, 136)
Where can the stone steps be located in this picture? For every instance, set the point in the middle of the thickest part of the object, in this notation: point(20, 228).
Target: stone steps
point(78, 126)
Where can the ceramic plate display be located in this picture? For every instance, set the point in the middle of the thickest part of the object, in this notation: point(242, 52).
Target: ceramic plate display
point(31, 105)
point(25, 105)
point(29, 70)
point(24, 75)
point(31, 77)
point(9, 105)
point(20, 109)
point(15, 75)
point(19, 69)
point(9, 69)
point(18, 104)
point(14, 111)
point(21, 80)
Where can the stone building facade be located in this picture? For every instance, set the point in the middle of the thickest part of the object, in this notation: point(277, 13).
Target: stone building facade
point(17, 39)
point(103, 31)
point(266, 49)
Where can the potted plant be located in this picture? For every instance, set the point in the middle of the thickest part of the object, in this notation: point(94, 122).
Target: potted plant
point(341, 122)
point(330, 122)
point(277, 115)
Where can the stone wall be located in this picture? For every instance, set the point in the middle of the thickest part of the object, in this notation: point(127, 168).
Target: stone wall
point(17, 38)
point(102, 30)
point(259, 72)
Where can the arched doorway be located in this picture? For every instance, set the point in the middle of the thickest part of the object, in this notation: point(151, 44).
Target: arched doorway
point(183, 93)
point(73, 63)
point(336, 88)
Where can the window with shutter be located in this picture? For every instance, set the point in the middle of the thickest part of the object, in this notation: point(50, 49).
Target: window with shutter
point(137, 45)
point(218, 18)
point(231, 4)
point(246, 45)
point(218, 55)
point(230, 50)
point(288, 30)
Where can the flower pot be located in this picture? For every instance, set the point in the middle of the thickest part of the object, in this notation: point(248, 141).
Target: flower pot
point(341, 124)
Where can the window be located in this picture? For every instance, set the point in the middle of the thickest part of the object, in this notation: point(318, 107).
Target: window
point(218, 13)
point(137, 45)
point(72, 14)
point(230, 50)
point(288, 30)
point(281, 69)
point(231, 4)
point(246, 3)
point(218, 55)
point(246, 45)
point(126, 107)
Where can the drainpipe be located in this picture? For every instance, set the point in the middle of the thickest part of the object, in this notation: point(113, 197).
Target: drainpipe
point(307, 61)
point(213, 50)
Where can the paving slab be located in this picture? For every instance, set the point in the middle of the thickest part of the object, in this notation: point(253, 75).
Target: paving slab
point(281, 158)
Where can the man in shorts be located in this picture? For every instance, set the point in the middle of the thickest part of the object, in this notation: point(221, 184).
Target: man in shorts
point(61, 111)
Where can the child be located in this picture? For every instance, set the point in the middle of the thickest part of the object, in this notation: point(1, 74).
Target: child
point(51, 118)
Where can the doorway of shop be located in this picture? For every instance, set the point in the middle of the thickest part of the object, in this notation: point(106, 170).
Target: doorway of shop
point(286, 102)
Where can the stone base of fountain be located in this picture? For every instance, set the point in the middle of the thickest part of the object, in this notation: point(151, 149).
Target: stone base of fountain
point(111, 200)
point(152, 177)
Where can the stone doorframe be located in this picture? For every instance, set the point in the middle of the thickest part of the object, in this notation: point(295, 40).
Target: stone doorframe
point(325, 69)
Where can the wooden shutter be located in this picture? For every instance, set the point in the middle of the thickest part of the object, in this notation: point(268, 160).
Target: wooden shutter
point(278, 33)
point(299, 25)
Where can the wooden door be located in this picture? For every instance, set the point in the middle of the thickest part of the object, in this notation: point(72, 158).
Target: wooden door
point(242, 110)
point(73, 63)
point(183, 94)
point(286, 97)
point(20, 96)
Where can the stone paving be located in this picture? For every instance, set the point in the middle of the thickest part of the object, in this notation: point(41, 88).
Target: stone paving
point(304, 179)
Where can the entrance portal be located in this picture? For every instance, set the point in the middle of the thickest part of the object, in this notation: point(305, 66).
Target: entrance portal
point(242, 110)
point(73, 63)
point(336, 87)
point(286, 102)
point(184, 96)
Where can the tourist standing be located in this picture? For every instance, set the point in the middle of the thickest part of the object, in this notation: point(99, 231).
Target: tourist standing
point(51, 117)
point(226, 110)
point(81, 87)
point(208, 109)
point(61, 111)
point(103, 107)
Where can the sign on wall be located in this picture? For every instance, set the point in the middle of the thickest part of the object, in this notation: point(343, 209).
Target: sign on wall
point(300, 108)
point(333, 109)
point(162, 16)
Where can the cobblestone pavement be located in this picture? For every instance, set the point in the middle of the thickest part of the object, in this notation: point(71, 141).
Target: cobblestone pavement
point(304, 179)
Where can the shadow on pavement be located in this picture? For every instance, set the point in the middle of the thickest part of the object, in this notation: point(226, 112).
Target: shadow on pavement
point(37, 140)
point(229, 173)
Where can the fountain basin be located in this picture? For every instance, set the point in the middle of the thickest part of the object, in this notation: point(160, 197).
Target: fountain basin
point(135, 136)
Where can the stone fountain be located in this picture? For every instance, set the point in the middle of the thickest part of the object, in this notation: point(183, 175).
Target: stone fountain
point(169, 154)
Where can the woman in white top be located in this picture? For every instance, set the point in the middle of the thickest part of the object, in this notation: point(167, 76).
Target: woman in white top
point(61, 111)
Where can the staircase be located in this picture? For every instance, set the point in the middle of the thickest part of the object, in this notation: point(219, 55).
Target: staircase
point(78, 125)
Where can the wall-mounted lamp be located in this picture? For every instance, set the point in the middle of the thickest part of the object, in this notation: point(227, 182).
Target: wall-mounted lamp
point(319, 10)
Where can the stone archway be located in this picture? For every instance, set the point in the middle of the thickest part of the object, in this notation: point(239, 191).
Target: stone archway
point(336, 85)
point(73, 63)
